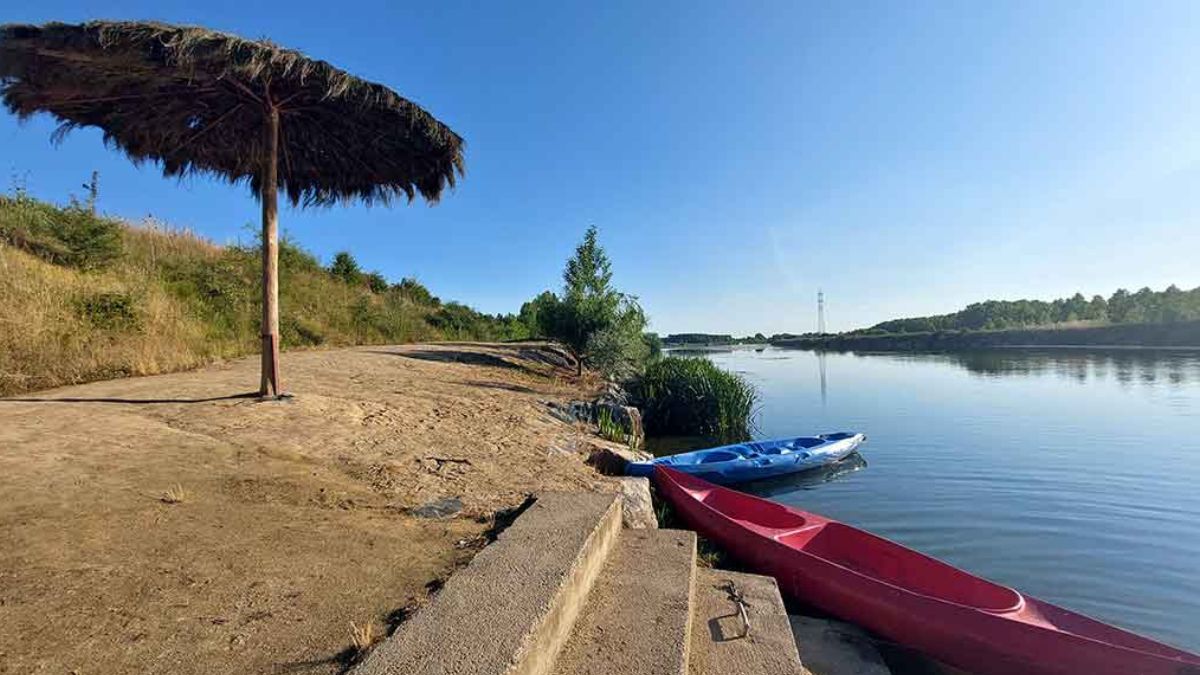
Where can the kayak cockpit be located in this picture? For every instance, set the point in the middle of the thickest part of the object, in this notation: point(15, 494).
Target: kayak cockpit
point(837, 436)
point(766, 518)
point(714, 456)
point(882, 560)
point(786, 447)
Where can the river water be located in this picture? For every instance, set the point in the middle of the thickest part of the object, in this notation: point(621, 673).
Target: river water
point(1073, 476)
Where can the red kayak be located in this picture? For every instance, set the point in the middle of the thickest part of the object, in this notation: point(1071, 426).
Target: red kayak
point(909, 597)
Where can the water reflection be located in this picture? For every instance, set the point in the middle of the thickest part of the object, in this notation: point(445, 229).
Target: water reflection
point(805, 480)
point(699, 350)
point(1127, 367)
point(1069, 474)
point(821, 358)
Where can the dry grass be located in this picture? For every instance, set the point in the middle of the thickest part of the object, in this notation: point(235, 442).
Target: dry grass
point(170, 301)
point(45, 342)
point(175, 495)
point(362, 637)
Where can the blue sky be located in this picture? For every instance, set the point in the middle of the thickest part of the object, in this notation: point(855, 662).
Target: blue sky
point(907, 157)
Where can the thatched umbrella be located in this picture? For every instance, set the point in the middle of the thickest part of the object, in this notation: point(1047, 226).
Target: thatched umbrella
point(199, 101)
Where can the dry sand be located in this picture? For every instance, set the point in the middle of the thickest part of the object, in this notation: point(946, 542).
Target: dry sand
point(293, 518)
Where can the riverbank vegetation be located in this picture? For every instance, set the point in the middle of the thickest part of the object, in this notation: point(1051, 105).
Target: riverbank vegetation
point(86, 297)
point(602, 327)
point(688, 396)
point(605, 329)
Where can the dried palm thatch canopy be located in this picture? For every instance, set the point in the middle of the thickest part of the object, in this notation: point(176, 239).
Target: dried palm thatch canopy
point(194, 100)
point(200, 101)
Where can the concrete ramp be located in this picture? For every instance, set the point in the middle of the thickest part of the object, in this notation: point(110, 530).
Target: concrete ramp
point(511, 610)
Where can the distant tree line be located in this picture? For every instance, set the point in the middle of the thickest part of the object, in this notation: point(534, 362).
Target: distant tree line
point(1144, 306)
point(706, 339)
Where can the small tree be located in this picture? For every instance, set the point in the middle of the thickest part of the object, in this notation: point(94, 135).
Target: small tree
point(596, 323)
point(346, 268)
point(93, 188)
point(535, 311)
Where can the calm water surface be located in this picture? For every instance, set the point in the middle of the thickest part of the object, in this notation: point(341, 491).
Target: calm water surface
point(1073, 476)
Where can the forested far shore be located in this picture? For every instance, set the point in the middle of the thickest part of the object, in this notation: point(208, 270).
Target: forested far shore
point(1151, 335)
point(1142, 307)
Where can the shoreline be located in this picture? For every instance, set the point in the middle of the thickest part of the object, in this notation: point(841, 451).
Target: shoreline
point(1184, 335)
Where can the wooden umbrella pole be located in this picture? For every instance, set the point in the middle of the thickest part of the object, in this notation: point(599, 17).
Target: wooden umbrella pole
point(270, 385)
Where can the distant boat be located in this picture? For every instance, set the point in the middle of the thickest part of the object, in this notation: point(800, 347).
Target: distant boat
point(759, 349)
point(755, 460)
point(908, 597)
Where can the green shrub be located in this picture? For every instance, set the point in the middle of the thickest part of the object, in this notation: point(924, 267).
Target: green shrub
point(416, 292)
point(376, 282)
point(292, 258)
point(295, 330)
point(109, 311)
point(92, 242)
point(346, 268)
point(222, 291)
point(618, 351)
point(71, 236)
point(693, 397)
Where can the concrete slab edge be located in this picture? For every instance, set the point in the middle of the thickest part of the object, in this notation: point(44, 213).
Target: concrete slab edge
point(540, 650)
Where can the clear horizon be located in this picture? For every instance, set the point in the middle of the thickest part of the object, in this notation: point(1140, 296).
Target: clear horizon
point(908, 159)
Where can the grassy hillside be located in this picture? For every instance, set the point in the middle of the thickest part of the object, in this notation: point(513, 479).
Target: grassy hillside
point(84, 297)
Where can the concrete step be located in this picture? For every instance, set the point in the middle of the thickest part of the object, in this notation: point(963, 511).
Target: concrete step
point(512, 609)
point(720, 642)
point(638, 618)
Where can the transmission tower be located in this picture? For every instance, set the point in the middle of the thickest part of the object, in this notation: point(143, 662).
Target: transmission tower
point(821, 312)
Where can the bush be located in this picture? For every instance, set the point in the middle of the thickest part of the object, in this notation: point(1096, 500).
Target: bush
point(71, 236)
point(618, 351)
point(295, 330)
point(292, 258)
point(109, 311)
point(693, 397)
point(346, 268)
point(654, 345)
point(416, 292)
point(376, 282)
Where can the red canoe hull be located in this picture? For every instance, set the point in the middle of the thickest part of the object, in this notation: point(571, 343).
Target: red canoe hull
point(911, 598)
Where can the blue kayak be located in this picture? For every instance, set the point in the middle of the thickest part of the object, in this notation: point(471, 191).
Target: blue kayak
point(756, 459)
